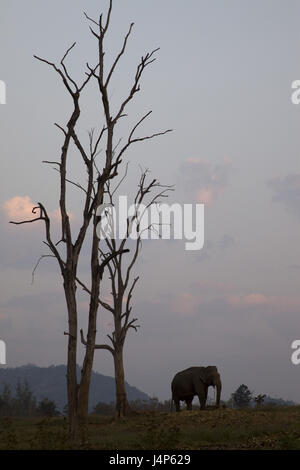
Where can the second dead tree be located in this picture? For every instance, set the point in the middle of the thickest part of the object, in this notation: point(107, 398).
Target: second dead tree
point(122, 282)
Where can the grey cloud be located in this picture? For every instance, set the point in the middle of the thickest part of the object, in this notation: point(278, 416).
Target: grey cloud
point(197, 175)
point(205, 253)
point(287, 192)
point(295, 267)
point(227, 241)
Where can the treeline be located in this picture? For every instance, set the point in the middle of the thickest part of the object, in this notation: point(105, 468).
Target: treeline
point(23, 403)
point(153, 404)
point(243, 397)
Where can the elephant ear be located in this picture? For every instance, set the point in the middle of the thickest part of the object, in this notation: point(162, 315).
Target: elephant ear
point(202, 374)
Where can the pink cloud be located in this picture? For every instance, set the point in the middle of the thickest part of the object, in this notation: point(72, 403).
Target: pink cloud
point(84, 305)
point(56, 215)
point(19, 208)
point(205, 195)
point(107, 298)
point(275, 302)
point(185, 303)
point(214, 286)
point(250, 299)
point(204, 180)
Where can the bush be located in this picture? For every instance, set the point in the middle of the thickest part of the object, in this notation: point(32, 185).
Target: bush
point(47, 407)
point(242, 397)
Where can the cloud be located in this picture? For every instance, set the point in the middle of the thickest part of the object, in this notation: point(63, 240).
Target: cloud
point(210, 248)
point(185, 303)
point(295, 267)
point(18, 208)
point(250, 299)
point(206, 294)
point(213, 285)
point(203, 180)
point(56, 215)
point(205, 253)
point(287, 192)
point(205, 195)
point(227, 241)
point(273, 303)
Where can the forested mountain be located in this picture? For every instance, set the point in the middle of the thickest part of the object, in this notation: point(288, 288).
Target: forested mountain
point(50, 382)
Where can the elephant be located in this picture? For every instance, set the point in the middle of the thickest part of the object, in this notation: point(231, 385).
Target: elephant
point(195, 381)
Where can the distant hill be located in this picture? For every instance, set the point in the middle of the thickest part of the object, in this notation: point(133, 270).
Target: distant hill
point(50, 382)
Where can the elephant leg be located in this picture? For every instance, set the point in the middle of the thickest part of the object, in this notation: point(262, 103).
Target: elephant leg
point(202, 395)
point(205, 392)
point(202, 401)
point(177, 403)
point(189, 403)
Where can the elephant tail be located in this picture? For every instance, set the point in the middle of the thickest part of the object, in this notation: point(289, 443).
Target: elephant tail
point(171, 408)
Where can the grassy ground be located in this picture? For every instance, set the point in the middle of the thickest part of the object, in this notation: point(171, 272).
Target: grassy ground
point(265, 428)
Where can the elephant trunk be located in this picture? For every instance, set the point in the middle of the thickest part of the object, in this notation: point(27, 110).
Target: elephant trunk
point(219, 389)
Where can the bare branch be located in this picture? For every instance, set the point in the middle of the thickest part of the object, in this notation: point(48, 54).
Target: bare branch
point(61, 128)
point(103, 30)
point(73, 182)
point(145, 61)
point(97, 346)
point(64, 79)
point(51, 163)
point(65, 69)
point(118, 56)
point(36, 266)
point(130, 294)
point(90, 19)
point(64, 74)
point(109, 258)
point(106, 306)
point(80, 148)
point(131, 325)
point(89, 75)
point(121, 181)
point(26, 221)
point(140, 139)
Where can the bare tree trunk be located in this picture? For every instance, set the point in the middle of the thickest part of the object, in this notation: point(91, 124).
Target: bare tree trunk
point(87, 367)
point(122, 405)
point(84, 388)
point(72, 386)
point(86, 374)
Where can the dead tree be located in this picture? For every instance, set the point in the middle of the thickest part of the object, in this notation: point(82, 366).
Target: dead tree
point(68, 249)
point(259, 400)
point(120, 266)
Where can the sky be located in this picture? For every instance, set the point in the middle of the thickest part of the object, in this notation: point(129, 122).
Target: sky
point(222, 81)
